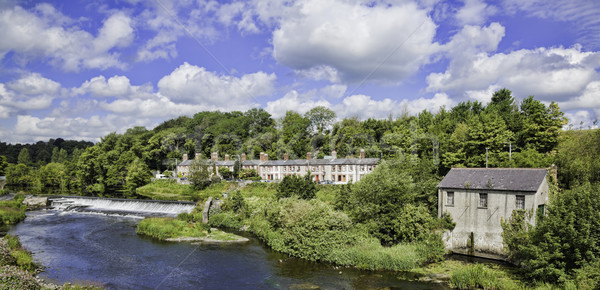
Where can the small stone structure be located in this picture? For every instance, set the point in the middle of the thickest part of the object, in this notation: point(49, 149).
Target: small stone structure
point(208, 205)
point(2, 182)
point(35, 202)
point(478, 199)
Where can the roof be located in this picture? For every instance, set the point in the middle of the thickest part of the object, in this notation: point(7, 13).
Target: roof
point(506, 179)
point(294, 162)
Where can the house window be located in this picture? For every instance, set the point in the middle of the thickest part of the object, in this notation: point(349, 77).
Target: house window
point(520, 202)
point(483, 200)
point(450, 198)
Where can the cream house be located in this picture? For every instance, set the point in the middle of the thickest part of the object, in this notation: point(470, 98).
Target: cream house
point(332, 169)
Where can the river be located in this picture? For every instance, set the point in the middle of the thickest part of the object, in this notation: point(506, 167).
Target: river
point(82, 247)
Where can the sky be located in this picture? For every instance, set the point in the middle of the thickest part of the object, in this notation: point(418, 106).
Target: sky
point(83, 69)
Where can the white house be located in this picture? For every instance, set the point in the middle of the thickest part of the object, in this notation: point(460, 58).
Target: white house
point(478, 198)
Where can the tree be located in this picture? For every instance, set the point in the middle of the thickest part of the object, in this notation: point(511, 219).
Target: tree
point(24, 157)
point(200, 173)
point(138, 174)
point(3, 165)
point(383, 200)
point(320, 118)
point(295, 132)
point(292, 185)
point(541, 125)
point(565, 239)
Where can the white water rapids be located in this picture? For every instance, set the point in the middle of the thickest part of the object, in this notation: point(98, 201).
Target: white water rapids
point(121, 206)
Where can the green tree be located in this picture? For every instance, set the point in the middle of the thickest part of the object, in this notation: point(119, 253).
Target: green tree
point(19, 174)
point(320, 118)
point(24, 157)
point(138, 174)
point(564, 240)
point(3, 165)
point(295, 132)
point(54, 175)
point(200, 174)
point(383, 200)
point(541, 125)
point(301, 187)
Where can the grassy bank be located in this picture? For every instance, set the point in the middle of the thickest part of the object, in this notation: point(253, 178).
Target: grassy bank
point(12, 211)
point(184, 227)
point(16, 266)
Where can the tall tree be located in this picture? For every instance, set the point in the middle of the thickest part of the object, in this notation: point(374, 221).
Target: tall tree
point(24, 157)
point(320, 118)
point(3, 165)
point(541, 125)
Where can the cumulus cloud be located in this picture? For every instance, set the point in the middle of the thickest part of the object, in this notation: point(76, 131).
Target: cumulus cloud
point(29, 128)
point(354, 41)
point(360, 106)
point(474, 12)
point(45, 32)
point(547, 73)
point(195, 85)
point(29, 93)
point(116, 86)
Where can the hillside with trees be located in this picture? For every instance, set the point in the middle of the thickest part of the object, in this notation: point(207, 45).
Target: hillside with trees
point(509, 133)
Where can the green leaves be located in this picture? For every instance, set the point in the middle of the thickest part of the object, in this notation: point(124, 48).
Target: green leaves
point(301, 187)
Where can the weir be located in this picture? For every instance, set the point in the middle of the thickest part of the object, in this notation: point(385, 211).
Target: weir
point(121, 206)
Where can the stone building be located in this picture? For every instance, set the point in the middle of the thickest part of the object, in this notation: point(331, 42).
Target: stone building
point(478, 199)
point(332, 169)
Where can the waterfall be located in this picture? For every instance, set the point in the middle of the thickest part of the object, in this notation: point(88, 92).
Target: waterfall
point(121, 206)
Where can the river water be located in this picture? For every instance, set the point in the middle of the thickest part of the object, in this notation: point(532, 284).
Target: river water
point(82, 247)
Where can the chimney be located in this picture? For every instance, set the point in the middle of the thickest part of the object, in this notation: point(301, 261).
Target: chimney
point(243, 157)
point(362, 153)
point(286, 157)
point(308, 155)
point(198, 156)
point(553, 170)
point(262, 156)
point(333, 154)
point(226, 157)
point(214, 156)
point(185, 157)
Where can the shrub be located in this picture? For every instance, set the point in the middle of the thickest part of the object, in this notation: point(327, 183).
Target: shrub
point(292, 185)
point(225, 220)
point(166, 228)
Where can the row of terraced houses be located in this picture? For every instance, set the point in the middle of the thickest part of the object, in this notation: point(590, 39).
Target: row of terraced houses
point(330, 169)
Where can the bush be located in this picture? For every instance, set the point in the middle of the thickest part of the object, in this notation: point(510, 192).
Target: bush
point(301, 187)
point(225, 220)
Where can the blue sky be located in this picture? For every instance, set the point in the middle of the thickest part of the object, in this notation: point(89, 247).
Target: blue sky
point(80, 70)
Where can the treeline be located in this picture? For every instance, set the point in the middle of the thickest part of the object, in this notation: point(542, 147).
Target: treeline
point(505, 133)
point(42, 153)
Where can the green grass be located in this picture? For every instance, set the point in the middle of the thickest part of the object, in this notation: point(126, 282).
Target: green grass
point(170, 228)
point(167, 190)
point(12, 211)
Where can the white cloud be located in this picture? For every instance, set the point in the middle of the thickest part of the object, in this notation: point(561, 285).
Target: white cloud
point(195, 85)
point(474, 12)
point(30, 128)
point(116, 86)
point(29, 93)
point(547, 73)
point(295, 102)
point(34, 84)
point(44, 32)
point(360, 106)
point(382, 42)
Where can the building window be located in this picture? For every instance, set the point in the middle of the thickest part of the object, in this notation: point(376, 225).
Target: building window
point(520, 202)
point(483, 200)
point(450, 198)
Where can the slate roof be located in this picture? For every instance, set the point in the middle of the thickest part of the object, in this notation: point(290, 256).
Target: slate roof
point(505, 179)
point(295, 162)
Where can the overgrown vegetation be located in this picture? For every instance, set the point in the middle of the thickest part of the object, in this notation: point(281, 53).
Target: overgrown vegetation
point(12, 211)
point(16, 266)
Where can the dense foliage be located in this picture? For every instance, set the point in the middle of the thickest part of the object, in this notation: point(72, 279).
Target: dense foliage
point(300, 186)
point(455, 136)
point(565, 239)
